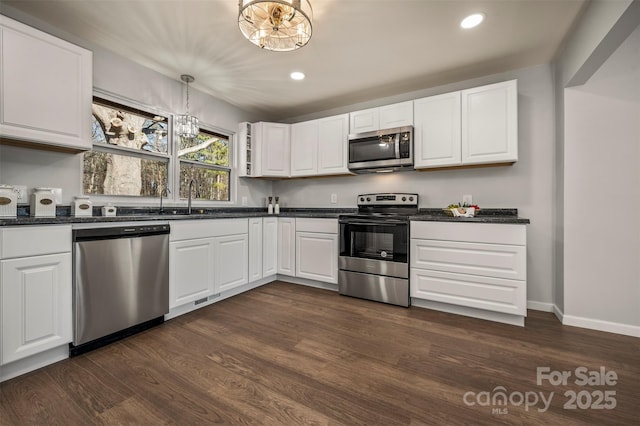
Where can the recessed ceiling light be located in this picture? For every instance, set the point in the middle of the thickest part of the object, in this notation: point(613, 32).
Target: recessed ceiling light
point(472, 20)
point(297, 75)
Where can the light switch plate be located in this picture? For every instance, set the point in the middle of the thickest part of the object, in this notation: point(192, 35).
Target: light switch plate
point(21, 194)
point(467, 199)
point(57, 192)
point(334, 198)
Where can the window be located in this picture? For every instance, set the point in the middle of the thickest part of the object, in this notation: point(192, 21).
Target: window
point(130, 153)
point(205, 160)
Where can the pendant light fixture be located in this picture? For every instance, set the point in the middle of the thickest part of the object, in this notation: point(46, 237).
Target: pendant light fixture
point(187, 125)
point(278, 25)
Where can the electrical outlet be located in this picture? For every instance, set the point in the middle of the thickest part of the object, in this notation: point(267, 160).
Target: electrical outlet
point(467, 199)
point(334, 198)
point(21, 194)
point(244, 201)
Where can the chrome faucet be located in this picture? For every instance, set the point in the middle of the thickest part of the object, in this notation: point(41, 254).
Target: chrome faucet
point(191, 183)
point(166, 193)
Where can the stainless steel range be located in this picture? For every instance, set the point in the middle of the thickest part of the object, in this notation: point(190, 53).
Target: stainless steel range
point(374, 248)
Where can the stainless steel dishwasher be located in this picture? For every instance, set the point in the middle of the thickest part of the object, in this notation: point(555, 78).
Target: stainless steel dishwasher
point(120, 283)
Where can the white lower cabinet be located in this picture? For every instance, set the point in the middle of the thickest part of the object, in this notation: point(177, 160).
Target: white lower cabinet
point(231, 262)
point(287, 246)
point(35, 292)
point(255, 249)
point(191, 270)
point(36, 305)
point(269, 246)
point(479, 266)
point(207, 257)
point(317, 256)
point(317, 249)
point(475, 291)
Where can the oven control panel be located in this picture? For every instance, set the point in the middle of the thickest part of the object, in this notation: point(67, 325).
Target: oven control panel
point(388, 199)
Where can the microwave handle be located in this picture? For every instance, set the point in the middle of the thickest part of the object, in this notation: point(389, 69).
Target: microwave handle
point(397, 145)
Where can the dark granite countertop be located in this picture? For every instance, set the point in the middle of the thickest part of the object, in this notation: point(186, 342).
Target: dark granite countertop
point(507, 216)
point(135, 214)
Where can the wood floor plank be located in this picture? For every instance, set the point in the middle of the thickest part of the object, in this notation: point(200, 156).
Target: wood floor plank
point(285, 354)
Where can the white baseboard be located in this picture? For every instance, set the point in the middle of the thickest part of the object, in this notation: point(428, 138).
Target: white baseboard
point(558, 312)
point(469, 312)
point(540, 306)
point(25, 365)
point(308, 282)
point(186, 308)
point(600, 325)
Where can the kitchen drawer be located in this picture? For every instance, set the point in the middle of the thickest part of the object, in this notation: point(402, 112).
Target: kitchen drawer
point(325, 226)
point(193, 229)
point(34, 240)
point(490, 260)
point(492, 233)
point(492, 294)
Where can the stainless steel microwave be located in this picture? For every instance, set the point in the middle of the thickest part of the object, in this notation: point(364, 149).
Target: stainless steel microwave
point(382, 150)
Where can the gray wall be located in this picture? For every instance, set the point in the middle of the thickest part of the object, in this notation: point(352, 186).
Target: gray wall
point(527, 185)
point(602, 192)
point(121, 77)
point(602, 28)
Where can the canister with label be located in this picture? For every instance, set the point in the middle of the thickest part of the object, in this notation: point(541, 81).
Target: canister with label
point(108, 210)
point(81, 206)
point(43, 203)
point(8, 202)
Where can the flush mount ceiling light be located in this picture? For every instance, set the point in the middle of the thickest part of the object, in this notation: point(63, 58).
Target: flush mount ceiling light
point(187, 125)
point(472, 21)
point(297, 75)
point(278, 25)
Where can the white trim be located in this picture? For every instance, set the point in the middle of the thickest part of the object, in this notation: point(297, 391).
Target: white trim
point(189, 307)
point(600, 325)
point(307, 282)
point(469, 312)
point(540, 306)
point(39, 360)
point(558, 313)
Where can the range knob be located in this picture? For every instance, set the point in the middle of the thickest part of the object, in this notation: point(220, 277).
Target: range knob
point(361, 199)
point(404, 198)
point(410, 198)
point(368, 198)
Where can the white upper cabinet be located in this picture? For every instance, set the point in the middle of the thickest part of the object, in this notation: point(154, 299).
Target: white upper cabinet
point(396, 115)
point(272, 148)
point(385, 117)
point(490, 124)
point(304, 148)
point(366, 120)
point(319, 147)
point(437, 141)
point(473, 126)
point(46, 88)
point(333, 145)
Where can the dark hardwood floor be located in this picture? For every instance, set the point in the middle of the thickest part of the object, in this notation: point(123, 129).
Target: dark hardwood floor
point(285, 354)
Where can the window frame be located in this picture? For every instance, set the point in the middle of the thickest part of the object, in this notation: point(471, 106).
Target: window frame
point(231, 168)
point(173, 172)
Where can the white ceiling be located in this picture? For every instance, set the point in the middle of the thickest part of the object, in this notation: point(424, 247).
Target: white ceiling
point(360, 49)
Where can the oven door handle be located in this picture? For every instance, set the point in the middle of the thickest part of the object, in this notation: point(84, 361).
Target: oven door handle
point(388, 222)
